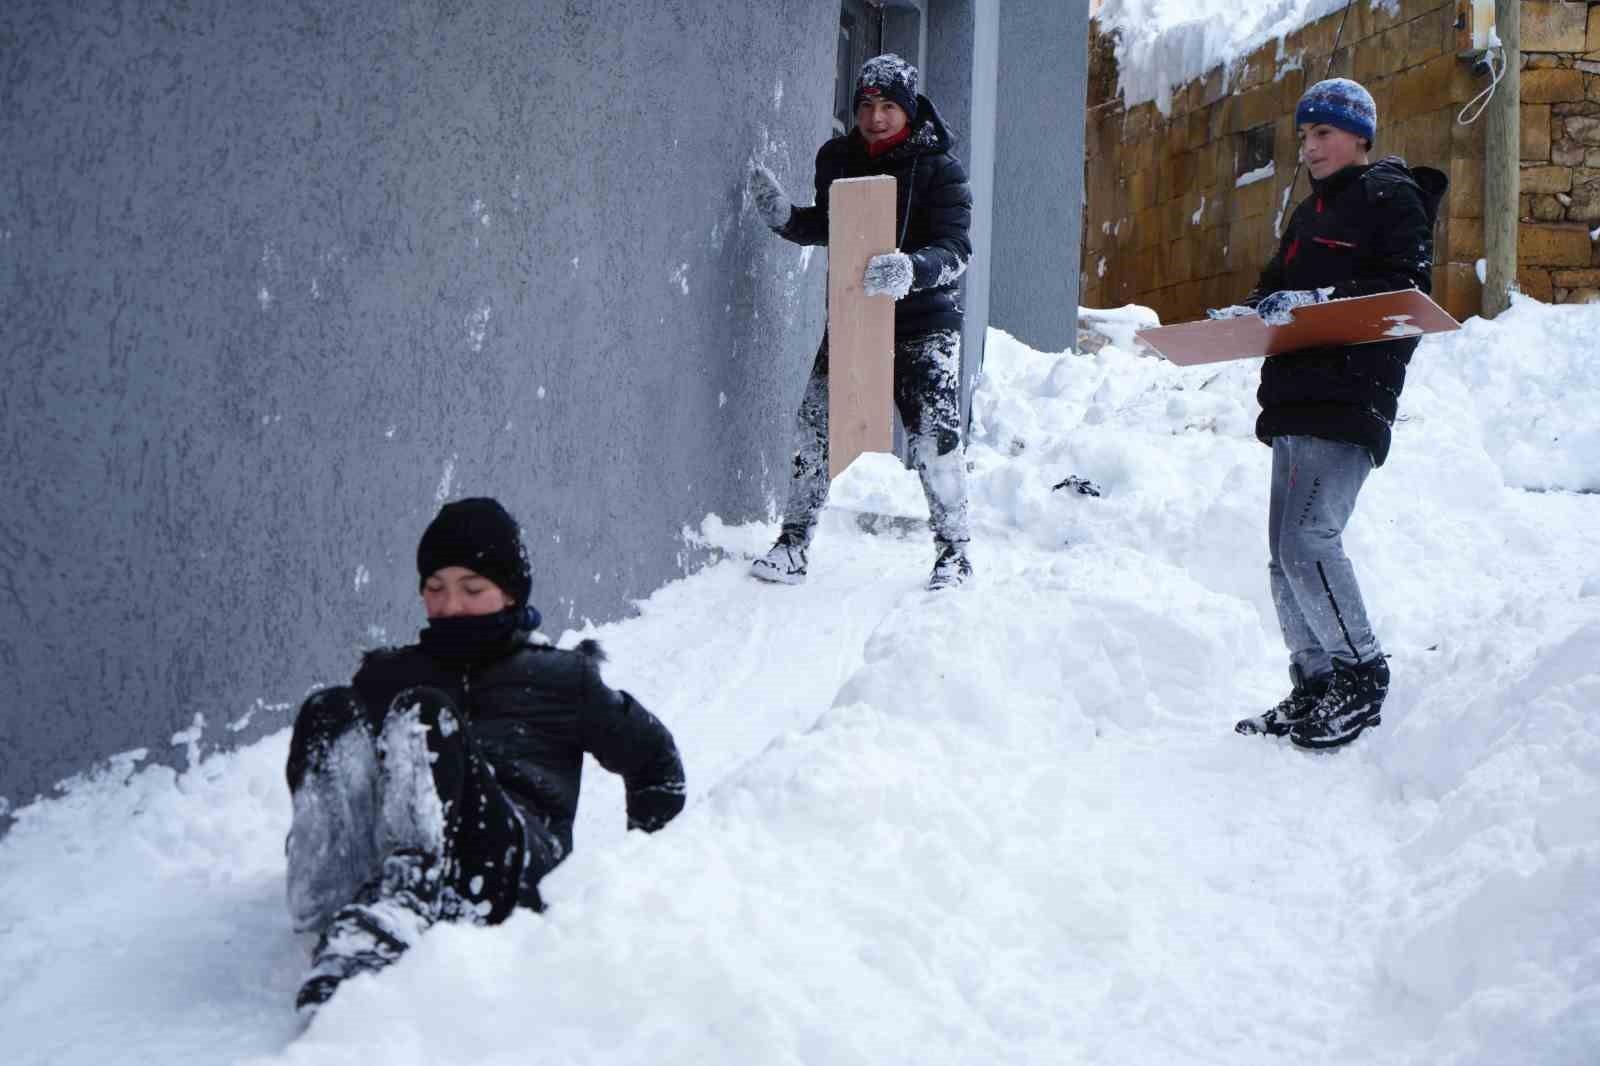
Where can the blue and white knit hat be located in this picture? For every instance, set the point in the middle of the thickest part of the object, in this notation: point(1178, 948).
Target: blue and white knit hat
point(1342, 104)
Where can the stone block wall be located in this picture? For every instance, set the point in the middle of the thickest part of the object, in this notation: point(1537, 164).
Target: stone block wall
point(1168, 224)
point(1560, 203)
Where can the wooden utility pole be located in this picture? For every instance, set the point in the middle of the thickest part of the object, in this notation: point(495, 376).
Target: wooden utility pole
point(860, 327)
point(1502, 169)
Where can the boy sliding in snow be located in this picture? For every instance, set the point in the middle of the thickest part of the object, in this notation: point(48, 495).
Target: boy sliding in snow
point(899, 133)
point(1326, 412)
point(441, 784)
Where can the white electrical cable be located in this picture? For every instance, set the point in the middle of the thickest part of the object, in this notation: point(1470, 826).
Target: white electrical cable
point(1494, 44)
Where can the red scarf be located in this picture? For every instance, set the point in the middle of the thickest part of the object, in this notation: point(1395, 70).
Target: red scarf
point(877, 148)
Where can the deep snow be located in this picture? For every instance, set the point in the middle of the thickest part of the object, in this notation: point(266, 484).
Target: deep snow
point(1009, 824)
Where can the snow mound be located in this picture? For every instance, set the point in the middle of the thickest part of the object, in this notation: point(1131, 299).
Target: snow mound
point(1162, 44)
point(1530, 376)
point(1118, 324)
point(1005, 824)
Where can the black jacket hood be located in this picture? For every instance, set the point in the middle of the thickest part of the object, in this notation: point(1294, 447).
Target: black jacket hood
point(1430, 184)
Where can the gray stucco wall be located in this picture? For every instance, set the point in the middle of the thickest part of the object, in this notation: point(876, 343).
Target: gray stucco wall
point(275, 280)
point(961, 40)
point(1038, 173)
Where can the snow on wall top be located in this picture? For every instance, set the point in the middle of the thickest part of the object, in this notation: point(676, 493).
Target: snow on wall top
point(1164, 43)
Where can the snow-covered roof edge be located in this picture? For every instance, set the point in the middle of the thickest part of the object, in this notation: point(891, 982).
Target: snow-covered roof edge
point(1165, 44)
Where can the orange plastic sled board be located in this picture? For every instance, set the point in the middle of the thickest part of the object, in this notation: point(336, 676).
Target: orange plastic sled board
point(1357, 320)
point(860, 327)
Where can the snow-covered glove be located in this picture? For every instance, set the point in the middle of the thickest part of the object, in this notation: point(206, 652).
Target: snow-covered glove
point(771, 203)
point(1277, 309)
point(889, 274)
point(1231, 311)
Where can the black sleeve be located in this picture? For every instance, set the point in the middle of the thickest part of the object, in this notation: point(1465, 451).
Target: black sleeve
point(948, 201)
point(1402, 244)
point(629, 741)
point(809, 225)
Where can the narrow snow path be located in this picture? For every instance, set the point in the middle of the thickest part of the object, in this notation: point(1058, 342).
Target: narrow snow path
point(1009, 824)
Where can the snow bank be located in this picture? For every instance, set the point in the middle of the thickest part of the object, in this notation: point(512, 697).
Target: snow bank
point(1534, 390)
point(1166, 43)
point(1118, 324)
point(1008, 824)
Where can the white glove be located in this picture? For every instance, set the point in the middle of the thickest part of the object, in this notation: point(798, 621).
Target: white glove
point(1231, 311)
point(1277, 309)
point(771, 204)
point(889, 274)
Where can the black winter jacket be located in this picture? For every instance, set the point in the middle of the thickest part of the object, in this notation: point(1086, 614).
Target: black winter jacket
point(932, 217)
point(1364, 230)
point(533, 712)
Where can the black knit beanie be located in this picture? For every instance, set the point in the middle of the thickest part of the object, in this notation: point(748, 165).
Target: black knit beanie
point(888, 77)
point(480, 535)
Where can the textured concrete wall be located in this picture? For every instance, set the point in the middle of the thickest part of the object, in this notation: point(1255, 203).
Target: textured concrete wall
point(905, 30)
point(1038, 172)
point(962, 55)
point(275, 280)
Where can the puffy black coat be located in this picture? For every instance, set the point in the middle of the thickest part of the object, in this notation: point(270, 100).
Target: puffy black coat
point(533, 712)
point(932, 217)
point(1364, 230)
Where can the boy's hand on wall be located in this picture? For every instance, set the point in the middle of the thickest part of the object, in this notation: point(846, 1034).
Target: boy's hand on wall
point(771, 203)
point(1277, 309)
point(888, 275)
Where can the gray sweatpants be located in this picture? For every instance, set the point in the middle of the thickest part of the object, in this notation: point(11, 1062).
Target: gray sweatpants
point(1314, 487)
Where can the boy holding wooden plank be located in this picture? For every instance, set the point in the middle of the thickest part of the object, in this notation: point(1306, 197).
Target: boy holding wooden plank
point(897, 133)
point(1327, 412)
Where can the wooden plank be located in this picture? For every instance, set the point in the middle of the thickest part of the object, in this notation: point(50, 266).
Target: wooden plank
point(1357, 320)
point(860, 327)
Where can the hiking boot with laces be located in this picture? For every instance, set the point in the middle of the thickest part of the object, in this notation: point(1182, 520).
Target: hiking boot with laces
point(1352, 703)
point(1290, 711)
point(951, 569)
point(785, 564)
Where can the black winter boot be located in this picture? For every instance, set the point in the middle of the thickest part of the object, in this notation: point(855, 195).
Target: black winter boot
point(951, 569)
point(1352, 703)
point(1290, 711)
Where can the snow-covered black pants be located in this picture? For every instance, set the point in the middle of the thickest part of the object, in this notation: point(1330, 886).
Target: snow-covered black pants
point(1314, 487)
point(927, 391)
point(410, 781)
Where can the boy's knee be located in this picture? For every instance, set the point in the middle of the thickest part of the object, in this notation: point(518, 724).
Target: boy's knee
point(927, 446)
point(1307, 544)
point(428, 707)
point(427, 702)
point(324, 715)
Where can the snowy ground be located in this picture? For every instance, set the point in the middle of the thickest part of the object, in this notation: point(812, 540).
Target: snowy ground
point(1010, 824)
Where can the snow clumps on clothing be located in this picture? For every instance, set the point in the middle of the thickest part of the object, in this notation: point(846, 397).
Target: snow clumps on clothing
point(890, 77)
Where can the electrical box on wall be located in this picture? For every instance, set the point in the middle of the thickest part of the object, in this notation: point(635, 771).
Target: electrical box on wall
point(1474, 24)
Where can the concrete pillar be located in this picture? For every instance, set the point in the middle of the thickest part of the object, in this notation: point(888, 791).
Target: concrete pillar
point(963, 55)
point(1038, 171)
point(904, 31)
